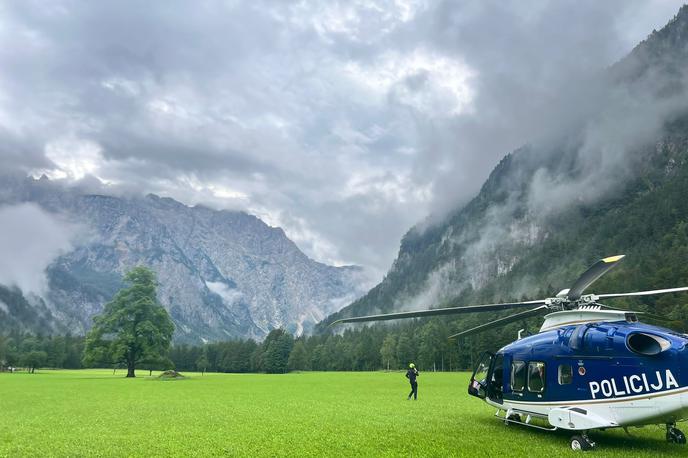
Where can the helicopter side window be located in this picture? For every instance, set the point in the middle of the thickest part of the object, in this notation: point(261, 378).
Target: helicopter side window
point(565, 374)
point(518, 375)
point(536, 377)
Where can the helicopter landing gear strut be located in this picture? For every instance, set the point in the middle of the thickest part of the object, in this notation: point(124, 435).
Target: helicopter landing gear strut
point(582, 442)
point(675, 435)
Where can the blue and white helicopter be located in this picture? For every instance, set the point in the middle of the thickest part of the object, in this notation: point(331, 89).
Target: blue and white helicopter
point(590, 367)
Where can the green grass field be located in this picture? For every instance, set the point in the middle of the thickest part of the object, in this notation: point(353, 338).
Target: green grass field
point(93, 413)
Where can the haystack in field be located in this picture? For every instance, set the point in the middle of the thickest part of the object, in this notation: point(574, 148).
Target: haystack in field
point(170, 375)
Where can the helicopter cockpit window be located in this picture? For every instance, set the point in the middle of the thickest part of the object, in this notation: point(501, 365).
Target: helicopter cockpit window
point(518, 375)
point(536, 377)
point(565, 374)
point(482, 370)
point(479, 383)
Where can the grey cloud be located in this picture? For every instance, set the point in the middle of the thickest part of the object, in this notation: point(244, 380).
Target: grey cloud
point(539, 71)
point(333, 119)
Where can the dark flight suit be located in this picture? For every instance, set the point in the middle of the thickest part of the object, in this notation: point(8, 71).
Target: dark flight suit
point(411, 374)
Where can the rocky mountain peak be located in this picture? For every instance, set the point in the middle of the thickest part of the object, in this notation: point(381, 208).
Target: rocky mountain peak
point(223, 274)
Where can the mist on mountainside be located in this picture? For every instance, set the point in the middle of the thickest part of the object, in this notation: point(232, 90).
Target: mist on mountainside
point(616, 146)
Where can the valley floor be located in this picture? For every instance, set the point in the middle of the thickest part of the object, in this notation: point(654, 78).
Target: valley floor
point(93, 413)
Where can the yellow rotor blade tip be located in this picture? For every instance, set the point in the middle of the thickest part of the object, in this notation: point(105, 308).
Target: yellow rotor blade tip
point(613, 258)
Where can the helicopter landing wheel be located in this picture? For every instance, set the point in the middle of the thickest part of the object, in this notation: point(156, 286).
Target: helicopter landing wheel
point(675, 435)
point(514, 417)
point(582, 442)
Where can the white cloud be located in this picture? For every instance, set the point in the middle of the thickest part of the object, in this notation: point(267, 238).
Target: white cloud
point(30, 240)
point(432, 83)
point(74, 158)
point(229, 295)
point(122, 86)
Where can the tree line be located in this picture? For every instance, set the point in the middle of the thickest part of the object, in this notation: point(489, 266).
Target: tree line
point(361, 348)
point(355, 349)
point(35, 351)
point(135, 331)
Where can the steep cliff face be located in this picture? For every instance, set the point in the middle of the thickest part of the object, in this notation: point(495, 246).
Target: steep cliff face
point(222, 274)
point(611, 182)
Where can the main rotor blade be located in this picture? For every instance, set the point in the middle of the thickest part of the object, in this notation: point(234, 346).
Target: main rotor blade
point(501, 321)
point(434, 312)
point(591, 275)
point(643, 293)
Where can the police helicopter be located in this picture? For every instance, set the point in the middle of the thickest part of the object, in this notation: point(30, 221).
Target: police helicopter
point(590, 367)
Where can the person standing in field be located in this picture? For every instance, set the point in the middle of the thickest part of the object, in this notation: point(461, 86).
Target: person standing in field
point(411, 374)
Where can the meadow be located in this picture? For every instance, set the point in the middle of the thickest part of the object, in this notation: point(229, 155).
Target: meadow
point(93, 413)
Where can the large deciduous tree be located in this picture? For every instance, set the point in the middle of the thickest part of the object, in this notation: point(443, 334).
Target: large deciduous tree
point(133, 327)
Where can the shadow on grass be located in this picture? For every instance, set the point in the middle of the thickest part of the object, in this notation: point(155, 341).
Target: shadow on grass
point(611, 440)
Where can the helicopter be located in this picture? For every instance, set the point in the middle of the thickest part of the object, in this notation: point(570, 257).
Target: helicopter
point(590, 366)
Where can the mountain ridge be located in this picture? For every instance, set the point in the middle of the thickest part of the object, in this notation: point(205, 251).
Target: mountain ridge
point(223, 274)
point(521, 235)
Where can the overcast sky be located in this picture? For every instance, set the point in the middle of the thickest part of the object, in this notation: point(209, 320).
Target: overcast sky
point(345, 123)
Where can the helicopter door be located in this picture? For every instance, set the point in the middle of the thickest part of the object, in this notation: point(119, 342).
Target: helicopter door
point(495, 386)
point(478, 385)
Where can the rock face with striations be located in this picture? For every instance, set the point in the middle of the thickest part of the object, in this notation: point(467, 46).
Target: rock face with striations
point(222, 274)
point(613, 182)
